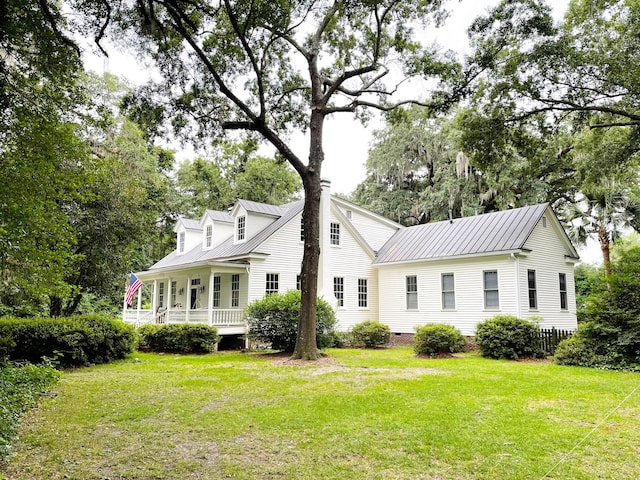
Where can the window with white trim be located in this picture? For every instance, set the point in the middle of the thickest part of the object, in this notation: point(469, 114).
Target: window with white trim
point(240, 232)
point(564, 305)
point(533, 289)
point(216, 291)
point(448, 292)
point(412, 292)
point(272, 283)
point(181, 242)
point(161, 295)
point(363, 300)
point(208, 236)
point(338, 290)
point(235, 290)
point(174, 293)
point(334, 233)
point(491, 293)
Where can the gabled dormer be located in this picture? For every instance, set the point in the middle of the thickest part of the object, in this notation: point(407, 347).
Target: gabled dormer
point(251, 218)
point(216, 227)
point(188, 234)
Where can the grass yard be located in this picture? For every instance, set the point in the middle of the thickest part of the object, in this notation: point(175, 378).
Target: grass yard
point(359, 414)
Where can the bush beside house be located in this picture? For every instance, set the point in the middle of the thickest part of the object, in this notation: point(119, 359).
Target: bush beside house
point(437, 339)
point(274, 320)
point(508, 337)
point(175, 338)
point(370, 334)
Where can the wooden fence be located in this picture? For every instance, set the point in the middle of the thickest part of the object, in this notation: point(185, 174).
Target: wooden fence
point(551, 337)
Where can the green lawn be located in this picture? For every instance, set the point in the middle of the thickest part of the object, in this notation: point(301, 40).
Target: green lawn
point(380, 414)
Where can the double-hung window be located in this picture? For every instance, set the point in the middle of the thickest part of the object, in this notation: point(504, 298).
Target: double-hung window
point(235, 290)
point(216, 291)
point(533, 289)
point(242, 223)
point(161, 295)
point(334, 233)
point(363, 301)
point(338, 290)
point(272, 283)
point(448, 292)
point(412, 292)
point(181, 242)
point(208, 237)
point(491, 293)
point(563, 291)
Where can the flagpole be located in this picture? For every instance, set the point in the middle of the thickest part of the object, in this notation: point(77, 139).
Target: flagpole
point(139, 306)
point(124, 303)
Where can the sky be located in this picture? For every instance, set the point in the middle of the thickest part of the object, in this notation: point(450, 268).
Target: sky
point(346, 140)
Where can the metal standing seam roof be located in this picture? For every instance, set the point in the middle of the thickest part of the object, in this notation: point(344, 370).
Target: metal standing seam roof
point(228, 249)
point(492, 232)
point(263, 208)
point(191, 224)
point(218, 216)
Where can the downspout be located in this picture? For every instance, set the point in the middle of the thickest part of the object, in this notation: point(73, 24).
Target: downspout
point(517, 268)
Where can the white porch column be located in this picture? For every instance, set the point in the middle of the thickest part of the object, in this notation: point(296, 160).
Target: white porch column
point(154, 297)
point(169, 293)
point(210, 297)
point(187, 299)
point(139, 305)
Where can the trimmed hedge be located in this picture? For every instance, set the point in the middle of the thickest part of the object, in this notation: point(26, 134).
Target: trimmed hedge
point(509, 337)
point(438, 338)
point(20, 388)
point(67, 342)
point(274, 320)
point(370, 334)
point(177, 338)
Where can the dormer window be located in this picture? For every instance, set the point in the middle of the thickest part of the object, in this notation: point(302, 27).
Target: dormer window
point(181, 236)
point(241, 227)
point(208, 236)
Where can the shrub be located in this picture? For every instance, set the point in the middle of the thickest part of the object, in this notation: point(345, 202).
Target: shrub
point(73, 341)
point(174, 338)
point(20, 387)
point(506, 336)
point(370, 334)
point(341, 340)
point(274, 320)
point(438, 338)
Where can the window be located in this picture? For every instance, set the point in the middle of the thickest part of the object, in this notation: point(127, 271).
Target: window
point(302, 229)
point(272, 283)
point(216, 291)
point(412, 292)
point(349, 214)
point(448, 292)
point(338, 290)
point(563, 292)
point(299, 282)
point(161, 295)
point(235, 290)
point(334, 233)
point(544, 222)
point(363, 301)
point(491, 296)
point(208, 237)
point(195, 282)
point(181, 242)
point(241, 227)
point(533, 291)
point(174, 293)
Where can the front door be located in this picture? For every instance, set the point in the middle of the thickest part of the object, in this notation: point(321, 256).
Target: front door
point(194, 298)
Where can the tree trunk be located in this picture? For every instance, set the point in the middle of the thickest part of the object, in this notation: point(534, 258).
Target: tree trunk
point(72, 305)
point(55, 307)
point(605, 247)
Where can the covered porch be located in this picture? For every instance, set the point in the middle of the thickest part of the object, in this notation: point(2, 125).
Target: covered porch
point(214, 295)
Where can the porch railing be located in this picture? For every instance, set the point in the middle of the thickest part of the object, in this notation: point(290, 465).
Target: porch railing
point(221, 317)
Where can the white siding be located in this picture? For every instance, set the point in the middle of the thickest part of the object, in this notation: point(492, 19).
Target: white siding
point(469, 293)
point(547, 258)
point(221, 231)
point(284, 251)
point(373, 231)
point(351, 262)
point(192, 238)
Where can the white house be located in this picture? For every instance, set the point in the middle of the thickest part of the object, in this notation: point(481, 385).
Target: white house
point(517, 262)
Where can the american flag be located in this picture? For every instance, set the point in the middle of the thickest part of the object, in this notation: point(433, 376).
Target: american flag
point(134, 285)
